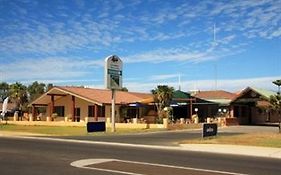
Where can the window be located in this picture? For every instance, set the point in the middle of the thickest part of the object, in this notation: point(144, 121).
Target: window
point(91, 111)
point(77, 112)
point(59, 110)
point(101, 111)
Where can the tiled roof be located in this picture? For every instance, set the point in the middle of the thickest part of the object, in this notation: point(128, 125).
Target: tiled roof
point(219, 94)
point(103, 96)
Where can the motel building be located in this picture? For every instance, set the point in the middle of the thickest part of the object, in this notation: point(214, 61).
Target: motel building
point(68, 105)
point(79, 104)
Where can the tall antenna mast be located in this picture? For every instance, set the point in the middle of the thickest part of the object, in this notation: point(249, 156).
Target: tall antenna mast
point(216, 66)
point(179, 77)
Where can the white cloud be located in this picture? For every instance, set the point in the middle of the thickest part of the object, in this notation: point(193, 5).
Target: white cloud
point(276, 33)
point(232, 85)
point(97, 28)
point(164, 77)
point(48, 68)
point(51, 36)
point(195, 52)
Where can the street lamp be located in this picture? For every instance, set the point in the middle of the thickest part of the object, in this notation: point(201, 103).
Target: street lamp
point(196, 110)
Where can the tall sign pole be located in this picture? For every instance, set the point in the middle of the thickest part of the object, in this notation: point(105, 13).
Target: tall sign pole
point(113, 111)
point(113, 81)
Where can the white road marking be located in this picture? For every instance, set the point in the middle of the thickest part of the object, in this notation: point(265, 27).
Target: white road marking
point(86, 162)
point(101, 143)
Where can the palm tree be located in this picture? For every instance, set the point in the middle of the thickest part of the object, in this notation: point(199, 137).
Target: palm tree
point(18, 94)
point(162, 98)
point(35, 90)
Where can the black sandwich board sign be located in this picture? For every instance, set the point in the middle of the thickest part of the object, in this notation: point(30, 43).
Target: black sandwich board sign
point(96, 126)
point(210, 129)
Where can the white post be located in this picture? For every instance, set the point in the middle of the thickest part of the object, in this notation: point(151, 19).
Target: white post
point(113, 111)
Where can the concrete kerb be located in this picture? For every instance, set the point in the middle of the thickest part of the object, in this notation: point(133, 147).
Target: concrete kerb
point(210, 148)
point(235, 150)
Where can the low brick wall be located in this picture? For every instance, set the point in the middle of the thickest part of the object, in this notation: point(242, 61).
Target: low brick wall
point(231, 121)
point(156, 126)
point(129, 125)
point(45, 123)
point(176, 126)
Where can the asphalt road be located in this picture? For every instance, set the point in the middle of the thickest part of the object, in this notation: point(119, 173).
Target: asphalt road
point(172, 138)
point(27, 156)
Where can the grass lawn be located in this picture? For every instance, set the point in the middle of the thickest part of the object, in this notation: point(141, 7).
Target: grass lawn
point(258, 139)
point(65, 130)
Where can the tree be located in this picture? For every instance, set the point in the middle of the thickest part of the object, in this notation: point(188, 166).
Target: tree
point(4, 90)
point(162, 98)
point(275, 101)
point(35, 90)
point(124, 89)
point(277, 83)
point(18, 94)
point(49, 86)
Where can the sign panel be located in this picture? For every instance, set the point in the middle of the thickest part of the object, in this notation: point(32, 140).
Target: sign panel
point(96, 126)
point(113, 72)
point(210, 129)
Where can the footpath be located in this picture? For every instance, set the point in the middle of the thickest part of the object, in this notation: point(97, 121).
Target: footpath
point(254, 151)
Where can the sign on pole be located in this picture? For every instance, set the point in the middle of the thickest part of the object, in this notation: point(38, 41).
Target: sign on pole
point(113, 72)
point(113, 81)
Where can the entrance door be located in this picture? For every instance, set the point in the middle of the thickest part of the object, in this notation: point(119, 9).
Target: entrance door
point(250, 115)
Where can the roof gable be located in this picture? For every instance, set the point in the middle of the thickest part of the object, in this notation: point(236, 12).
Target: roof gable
point(263, 92)
point(254, 94)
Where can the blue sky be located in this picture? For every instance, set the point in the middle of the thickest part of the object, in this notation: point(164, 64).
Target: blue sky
point(66, 42)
